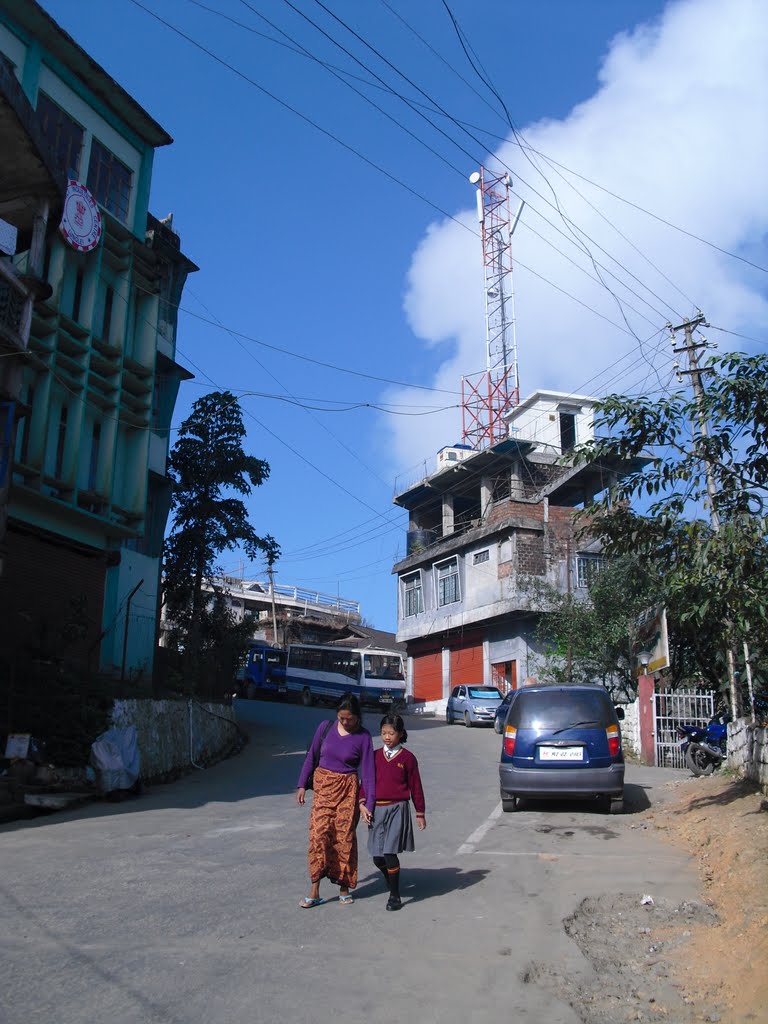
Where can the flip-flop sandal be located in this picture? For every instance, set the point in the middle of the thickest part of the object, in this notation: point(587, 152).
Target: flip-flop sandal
point(310, 901)
point(346, 900)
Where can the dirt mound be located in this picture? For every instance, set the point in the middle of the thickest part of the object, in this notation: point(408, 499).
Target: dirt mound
point(627, 938)
point(722, 822)
point(652, 960)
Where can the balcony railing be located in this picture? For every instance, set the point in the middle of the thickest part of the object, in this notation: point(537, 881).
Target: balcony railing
point(299, 596)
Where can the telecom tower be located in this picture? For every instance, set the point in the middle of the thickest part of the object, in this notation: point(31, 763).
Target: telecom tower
point(486, 396)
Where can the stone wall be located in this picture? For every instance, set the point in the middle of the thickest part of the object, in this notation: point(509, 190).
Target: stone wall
point(163, 728)
point(748, 751)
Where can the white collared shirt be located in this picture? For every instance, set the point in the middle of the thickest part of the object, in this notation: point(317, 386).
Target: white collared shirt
point(390, 752)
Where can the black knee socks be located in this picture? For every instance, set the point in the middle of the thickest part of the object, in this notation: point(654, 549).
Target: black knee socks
point(381, 864)
point(393, 874)
point(389, 866)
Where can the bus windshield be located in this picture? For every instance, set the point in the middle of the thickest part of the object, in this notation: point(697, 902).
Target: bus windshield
point(383, 666)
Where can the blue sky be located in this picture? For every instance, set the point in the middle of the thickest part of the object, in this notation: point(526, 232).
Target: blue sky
point(304, 246)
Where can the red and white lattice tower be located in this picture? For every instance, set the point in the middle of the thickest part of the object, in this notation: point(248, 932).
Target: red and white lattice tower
point(487, 395)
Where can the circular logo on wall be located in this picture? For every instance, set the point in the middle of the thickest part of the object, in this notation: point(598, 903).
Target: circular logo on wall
point(81, 220)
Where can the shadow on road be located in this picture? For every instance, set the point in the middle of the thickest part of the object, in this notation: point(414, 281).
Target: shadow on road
point(635, 802)
point(422, 883)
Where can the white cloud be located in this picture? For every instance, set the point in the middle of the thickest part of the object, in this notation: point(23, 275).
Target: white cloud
point(678, 126)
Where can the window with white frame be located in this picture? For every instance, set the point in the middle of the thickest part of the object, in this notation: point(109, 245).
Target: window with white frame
point(413, 595)
point(448, 590)
point(588, 568)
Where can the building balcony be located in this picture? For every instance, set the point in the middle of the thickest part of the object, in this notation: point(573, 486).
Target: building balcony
point(15, 309)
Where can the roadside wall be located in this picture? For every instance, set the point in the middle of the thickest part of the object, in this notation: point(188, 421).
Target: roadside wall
point(748, 751)
point(163, 728)
point(630, 728)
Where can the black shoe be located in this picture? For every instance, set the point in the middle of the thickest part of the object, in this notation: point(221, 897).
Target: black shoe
point(394, 903)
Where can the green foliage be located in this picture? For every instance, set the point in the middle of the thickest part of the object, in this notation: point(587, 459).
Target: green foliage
point(712, 569)
point(208, 464)
point(587, 638)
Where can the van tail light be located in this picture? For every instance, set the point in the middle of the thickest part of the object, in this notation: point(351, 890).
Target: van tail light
point(510, 735)
point(614, 740)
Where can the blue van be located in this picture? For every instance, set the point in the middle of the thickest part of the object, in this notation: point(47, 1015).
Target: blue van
point(562, 742)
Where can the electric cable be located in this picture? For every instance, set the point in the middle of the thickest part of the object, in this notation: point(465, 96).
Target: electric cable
point(414, 85)
point(551, 160)
point(387, 174)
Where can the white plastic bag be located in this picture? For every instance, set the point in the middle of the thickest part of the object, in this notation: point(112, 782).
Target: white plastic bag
point(115, 756)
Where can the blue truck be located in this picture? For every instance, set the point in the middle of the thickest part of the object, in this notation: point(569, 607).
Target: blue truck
point(264, 671)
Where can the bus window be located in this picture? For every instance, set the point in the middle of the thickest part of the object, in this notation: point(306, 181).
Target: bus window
point(383, 666)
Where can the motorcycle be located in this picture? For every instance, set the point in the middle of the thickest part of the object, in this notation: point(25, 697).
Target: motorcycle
point(704, 748)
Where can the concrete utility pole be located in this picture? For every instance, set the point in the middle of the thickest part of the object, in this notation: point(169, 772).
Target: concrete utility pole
point(271, 574)
point(694, 371)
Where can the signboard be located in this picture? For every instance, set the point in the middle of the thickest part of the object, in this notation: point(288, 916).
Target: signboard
point(651, 636)
point(17, 745)
point(81, 221)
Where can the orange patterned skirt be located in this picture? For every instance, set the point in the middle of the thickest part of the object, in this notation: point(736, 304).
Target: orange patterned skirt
point(332, 828)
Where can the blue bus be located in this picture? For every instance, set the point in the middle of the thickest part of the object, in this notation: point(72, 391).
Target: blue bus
point(264, 670)
point(315, 673)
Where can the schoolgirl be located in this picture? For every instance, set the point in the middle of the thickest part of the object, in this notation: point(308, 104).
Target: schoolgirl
point(390, 827)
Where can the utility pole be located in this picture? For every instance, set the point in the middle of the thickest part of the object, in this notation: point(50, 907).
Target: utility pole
point(694, 371)
point(271, 574)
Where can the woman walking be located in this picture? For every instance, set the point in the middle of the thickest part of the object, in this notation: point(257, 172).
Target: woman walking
point(339, 751)
point(397, 782)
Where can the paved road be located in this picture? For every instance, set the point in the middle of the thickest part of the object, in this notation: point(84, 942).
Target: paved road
point(181, 907)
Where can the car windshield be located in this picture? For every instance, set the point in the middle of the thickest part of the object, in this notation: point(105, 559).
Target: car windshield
point(558, 709)
point(484, 693)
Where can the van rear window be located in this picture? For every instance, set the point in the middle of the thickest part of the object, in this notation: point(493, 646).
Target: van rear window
point(556, 709)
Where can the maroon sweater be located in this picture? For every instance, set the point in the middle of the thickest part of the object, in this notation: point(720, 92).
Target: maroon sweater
point(397, 779)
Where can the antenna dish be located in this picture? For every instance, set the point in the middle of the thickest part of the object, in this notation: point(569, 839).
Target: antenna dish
point(474, 178)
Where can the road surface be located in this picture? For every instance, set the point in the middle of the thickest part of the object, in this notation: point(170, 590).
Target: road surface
point(181, 907)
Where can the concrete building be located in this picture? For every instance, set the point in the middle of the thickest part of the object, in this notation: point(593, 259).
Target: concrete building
point(89, 491)
point(482, 528)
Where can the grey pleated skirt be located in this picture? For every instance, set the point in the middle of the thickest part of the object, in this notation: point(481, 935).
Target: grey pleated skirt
point(392, 829)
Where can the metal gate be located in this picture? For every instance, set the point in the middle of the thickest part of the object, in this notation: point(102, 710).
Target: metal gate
point(670, 709)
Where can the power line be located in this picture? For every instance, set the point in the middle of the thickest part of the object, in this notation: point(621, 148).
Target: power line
point(376, 166)
point(388, 175)
point(295, 451)
point(298, 113)
point(471, 156)
point(306, 408)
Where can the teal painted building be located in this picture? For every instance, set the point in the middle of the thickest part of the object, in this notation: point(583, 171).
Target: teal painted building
point(89, 492)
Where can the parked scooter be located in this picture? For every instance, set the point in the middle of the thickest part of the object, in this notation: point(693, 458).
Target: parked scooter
point(704, 748)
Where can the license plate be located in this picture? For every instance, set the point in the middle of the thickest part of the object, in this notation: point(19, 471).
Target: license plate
point(561, 753)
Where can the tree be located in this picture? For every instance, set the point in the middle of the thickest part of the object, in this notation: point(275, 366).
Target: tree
point(206, 464)
point(587, 638)
point(692, 455)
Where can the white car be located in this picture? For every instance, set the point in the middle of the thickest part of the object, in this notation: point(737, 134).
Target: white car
point(472, 704)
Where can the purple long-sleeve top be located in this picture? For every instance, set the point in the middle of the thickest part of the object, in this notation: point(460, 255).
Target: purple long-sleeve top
point(348, 754)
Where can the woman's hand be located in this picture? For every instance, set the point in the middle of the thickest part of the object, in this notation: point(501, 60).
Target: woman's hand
point(421, 822)
point(300, 796)
point(365, 814)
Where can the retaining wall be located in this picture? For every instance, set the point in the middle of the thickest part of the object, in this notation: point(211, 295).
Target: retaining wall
point(164, 734)
point(630, 728)
point(748, 751)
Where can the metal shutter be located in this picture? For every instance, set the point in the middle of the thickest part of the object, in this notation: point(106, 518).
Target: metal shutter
point(428, 676)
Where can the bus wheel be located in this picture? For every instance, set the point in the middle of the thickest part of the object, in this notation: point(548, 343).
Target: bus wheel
point(306, 697)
